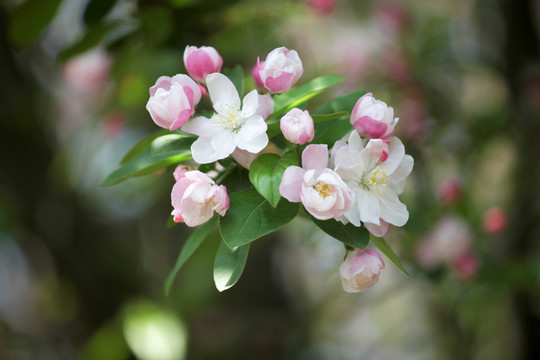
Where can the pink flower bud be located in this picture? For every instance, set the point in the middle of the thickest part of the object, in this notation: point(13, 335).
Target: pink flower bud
point(449, 190)
point(202, 61)
point(297, 126)
point(360, 270)
point(494, 220)
point(181, 171)
point(465, 266)
point(172, 101)
point(257, 77)
point(281, 70)
point(373, 118)
point(195, 197)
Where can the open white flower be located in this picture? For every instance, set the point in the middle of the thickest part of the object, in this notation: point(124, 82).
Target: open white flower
point(376, 183)
point(231, 126)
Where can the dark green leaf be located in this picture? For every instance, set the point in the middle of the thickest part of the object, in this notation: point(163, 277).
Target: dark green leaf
point(93, 37)
point(30, 19)
point(236, 75)
point(266, 171)
point(157, 22)
point(192, 243)
point(329, 132)
point(250, 216)
point(142, 145)
point(144, 164)
point(327, 117)
point(382, 245)
point(295, 97)
point(347, 234)
point(96, 10)
point(171, 144)
point(229, 265)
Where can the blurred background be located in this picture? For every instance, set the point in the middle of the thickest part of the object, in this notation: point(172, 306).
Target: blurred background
point(82, 267)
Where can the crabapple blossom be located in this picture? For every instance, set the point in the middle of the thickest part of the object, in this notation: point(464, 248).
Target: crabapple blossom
point(172, 101)
point(200, 62)
point(245, 158)
point(180, 171)
point(375, 183)
point(373, 118)
point(257, 77)
point(195, 197)
point(281, 70)
point(321, 190)
point(360, 270)
point(297, 126)
point(230, 127)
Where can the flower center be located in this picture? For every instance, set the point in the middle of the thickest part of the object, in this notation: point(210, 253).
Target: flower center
point(229, 118)
point(323, 189)
point(377, 180)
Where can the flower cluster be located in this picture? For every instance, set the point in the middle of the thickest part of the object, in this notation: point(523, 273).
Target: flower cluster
point(356, 182)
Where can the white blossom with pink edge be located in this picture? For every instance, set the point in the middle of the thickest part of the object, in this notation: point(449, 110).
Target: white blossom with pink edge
point(172, 101)
point(297, 126)
point(281, 70)
point(195, 197)
point(372, 118)
point(200, 62)
point(360, 270)
point(375, 183)
point(321, 190)
point(231, 126)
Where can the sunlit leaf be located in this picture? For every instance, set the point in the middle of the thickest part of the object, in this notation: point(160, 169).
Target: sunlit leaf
point(295, 97)
point(192, 243)
point(250, 216)
point(229, 265)
point(142, 145)
point(382, 245)
point(171, 144)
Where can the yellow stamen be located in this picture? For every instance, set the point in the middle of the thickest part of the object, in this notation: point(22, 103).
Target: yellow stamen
point(323, 189)
point(229, 118)
point(378, 180)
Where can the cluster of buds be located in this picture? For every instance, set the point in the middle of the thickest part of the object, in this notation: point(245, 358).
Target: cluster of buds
point(356, 181)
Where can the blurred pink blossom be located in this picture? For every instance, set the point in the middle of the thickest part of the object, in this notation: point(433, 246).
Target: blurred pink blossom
point(465, 266)
point(88, 71)
point(494, 220)
point(449, 190)
point(322, 7)
point(360, 270)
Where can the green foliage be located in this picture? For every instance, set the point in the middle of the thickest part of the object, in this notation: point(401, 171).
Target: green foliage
point(250, 216)
point(229, 265)
point(266, 172)
point(236, 75)
point(192, 243)
point(142, 145)
point(157, 23)
point(295, 97)
point(94, 36)
point(348, 234)
point(96, 10)
point(30, 19)
point(171, 144)
point(328, 132)
point(383, 246)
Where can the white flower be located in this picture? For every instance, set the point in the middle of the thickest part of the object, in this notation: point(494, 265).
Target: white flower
point(230, 127)
point(376, 183)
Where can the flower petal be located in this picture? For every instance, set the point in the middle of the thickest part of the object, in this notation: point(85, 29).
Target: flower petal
point(223, 93)
point(392, 210)
point(291, 183)
point(315, 157)
point(250, 104)
point(396, 152)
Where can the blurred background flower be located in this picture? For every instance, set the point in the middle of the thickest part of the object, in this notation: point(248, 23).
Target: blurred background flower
point(82, 266)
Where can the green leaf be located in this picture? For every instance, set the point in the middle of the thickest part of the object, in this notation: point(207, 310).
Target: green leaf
point(30, 19)
point(266, 172)
point(93, 37)
point(229, 265)
point(329, 132)
point(191, 244)
point(171, 144)
point(157, 22)
point(382, 245)
point(347, 234)
point(327, 117)
point(144, 164)
point(96, 10)
point(236, 75)
point(142, 145)
point(250, 216)
point(295, 97)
